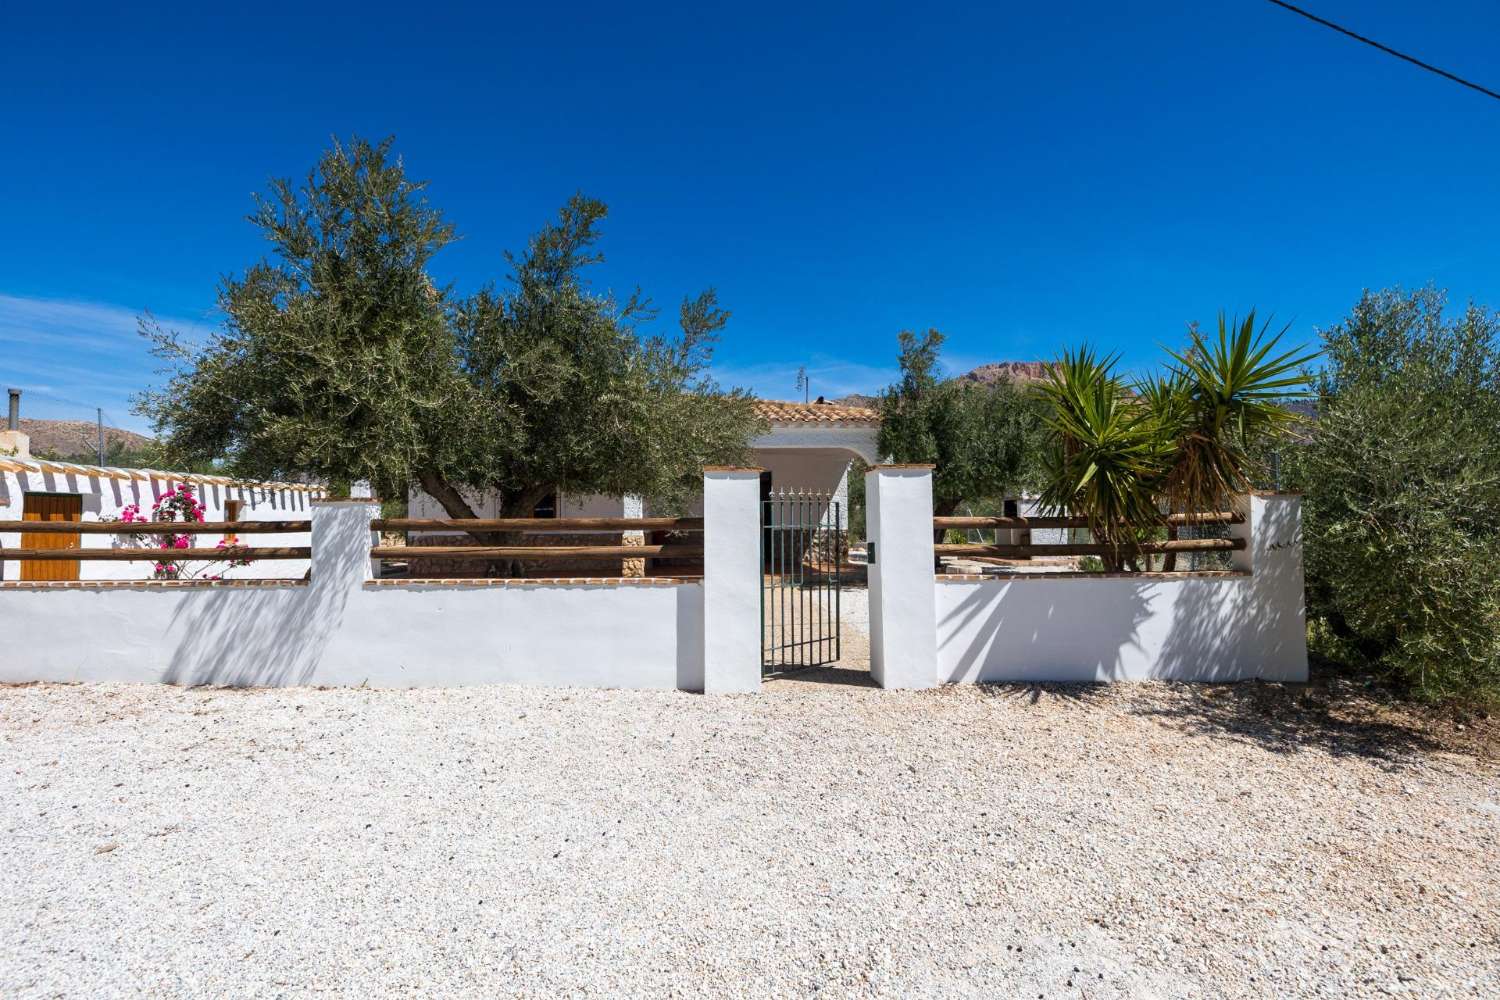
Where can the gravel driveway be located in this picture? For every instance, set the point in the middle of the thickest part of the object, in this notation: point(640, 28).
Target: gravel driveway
point(822, 838)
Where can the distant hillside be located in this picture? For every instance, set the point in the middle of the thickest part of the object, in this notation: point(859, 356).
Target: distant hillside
point(1005, 371)
point(1018, 372)
point(858, 399)
point(76, 440)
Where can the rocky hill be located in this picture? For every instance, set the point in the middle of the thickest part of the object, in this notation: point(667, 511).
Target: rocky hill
point(997, 371)
point(858, 399)
point(77, 439)
point(1005, 371)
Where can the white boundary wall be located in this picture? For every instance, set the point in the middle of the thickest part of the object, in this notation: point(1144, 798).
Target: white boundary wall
point(1095, 627)
point(344, 628)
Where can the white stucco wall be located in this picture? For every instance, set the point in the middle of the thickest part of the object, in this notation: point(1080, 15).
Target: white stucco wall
point(858, 440)
point(344, 629)
point(409, 635)
point(103, 497)
point(1088, 626)
point(1041, 628)
point(815, 470)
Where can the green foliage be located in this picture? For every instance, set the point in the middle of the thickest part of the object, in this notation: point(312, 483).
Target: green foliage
point(982, 440)
point(1110, 453)
point(1124, 455)
point(1223, 398)
point(1401, 481)
point(341, 360)
point(857, 470)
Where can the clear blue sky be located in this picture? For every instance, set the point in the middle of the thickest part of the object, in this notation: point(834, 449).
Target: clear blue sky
point(1020, 176)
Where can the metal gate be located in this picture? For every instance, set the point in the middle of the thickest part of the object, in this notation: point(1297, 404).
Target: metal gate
point(802, 552)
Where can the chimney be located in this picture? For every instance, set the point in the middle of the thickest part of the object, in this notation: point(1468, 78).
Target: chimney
point(14, 444)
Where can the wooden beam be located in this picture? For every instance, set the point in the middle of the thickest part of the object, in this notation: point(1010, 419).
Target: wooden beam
point(1091, 548)
point(156, 527)
point(537, 525)
point(545, 553)
point(1218, 517)
point(159, 555)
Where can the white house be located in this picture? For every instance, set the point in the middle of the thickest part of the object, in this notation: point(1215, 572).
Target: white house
point(808, 446)
point(32, 489)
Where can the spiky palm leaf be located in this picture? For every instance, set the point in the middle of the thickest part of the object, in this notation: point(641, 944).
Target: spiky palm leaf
point(1110, 453)
point(1225, 394)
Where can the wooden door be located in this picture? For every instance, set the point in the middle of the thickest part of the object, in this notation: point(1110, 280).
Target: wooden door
point(50, 507)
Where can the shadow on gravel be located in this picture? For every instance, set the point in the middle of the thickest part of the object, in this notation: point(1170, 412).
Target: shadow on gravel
point(1035, 693)
point(1337, 716)
point(1290, 719)
point(850, 676)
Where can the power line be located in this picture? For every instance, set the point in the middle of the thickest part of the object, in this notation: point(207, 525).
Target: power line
point(1387, 49)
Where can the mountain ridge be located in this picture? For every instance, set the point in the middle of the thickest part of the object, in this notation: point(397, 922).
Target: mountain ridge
point(59, 439)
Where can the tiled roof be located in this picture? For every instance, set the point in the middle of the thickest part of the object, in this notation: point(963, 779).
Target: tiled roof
point(776, 411)
point(35, 465)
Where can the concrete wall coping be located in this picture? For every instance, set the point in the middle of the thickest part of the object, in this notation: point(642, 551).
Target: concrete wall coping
point(1206, 574)
point(560, 581)
point(260, 583)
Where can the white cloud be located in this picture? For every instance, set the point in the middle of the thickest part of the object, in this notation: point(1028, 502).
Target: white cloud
point(69, 356)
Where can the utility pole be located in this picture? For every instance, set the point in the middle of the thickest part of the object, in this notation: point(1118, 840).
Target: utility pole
point(803, 382)
point(99, 412)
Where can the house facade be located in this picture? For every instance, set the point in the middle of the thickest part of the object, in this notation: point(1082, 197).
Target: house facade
point(807, 447)
point(34, 489)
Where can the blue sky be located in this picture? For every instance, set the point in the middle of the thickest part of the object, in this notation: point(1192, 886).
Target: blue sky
point(1021, 177)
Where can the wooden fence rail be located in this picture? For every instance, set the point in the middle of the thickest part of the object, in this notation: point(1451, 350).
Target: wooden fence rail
point(1024, 523)
point(543, 553)
point(537, 525)
point(155, 527)
point(156, 555)
point(1092, 548)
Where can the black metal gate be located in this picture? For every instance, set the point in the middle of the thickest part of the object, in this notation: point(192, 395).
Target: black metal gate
point(802, 553)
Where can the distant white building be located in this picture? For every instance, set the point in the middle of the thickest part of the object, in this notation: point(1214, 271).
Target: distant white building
point(32, 489)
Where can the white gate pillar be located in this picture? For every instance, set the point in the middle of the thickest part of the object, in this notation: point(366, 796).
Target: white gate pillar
point(731, 580)
point(903, 612)
point(341, 543)
point(1273, 621)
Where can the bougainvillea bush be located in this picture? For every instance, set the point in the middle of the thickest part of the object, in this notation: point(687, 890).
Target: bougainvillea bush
point(180, 504)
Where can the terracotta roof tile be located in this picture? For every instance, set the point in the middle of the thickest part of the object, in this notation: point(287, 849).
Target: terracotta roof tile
point(777, 411)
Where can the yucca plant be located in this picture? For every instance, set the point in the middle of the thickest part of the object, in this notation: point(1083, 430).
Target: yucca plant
point(1178, 443)
point(1110, 454)
point(1220, 397)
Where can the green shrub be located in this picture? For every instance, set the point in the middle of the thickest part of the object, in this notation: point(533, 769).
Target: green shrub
point(1401, 480)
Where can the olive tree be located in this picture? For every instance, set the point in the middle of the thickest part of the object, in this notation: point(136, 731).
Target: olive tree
point(983, 440)
point(1400, 473)
point(339, 359)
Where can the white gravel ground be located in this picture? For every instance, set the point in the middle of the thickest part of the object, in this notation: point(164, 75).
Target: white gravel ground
point(821, 838)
